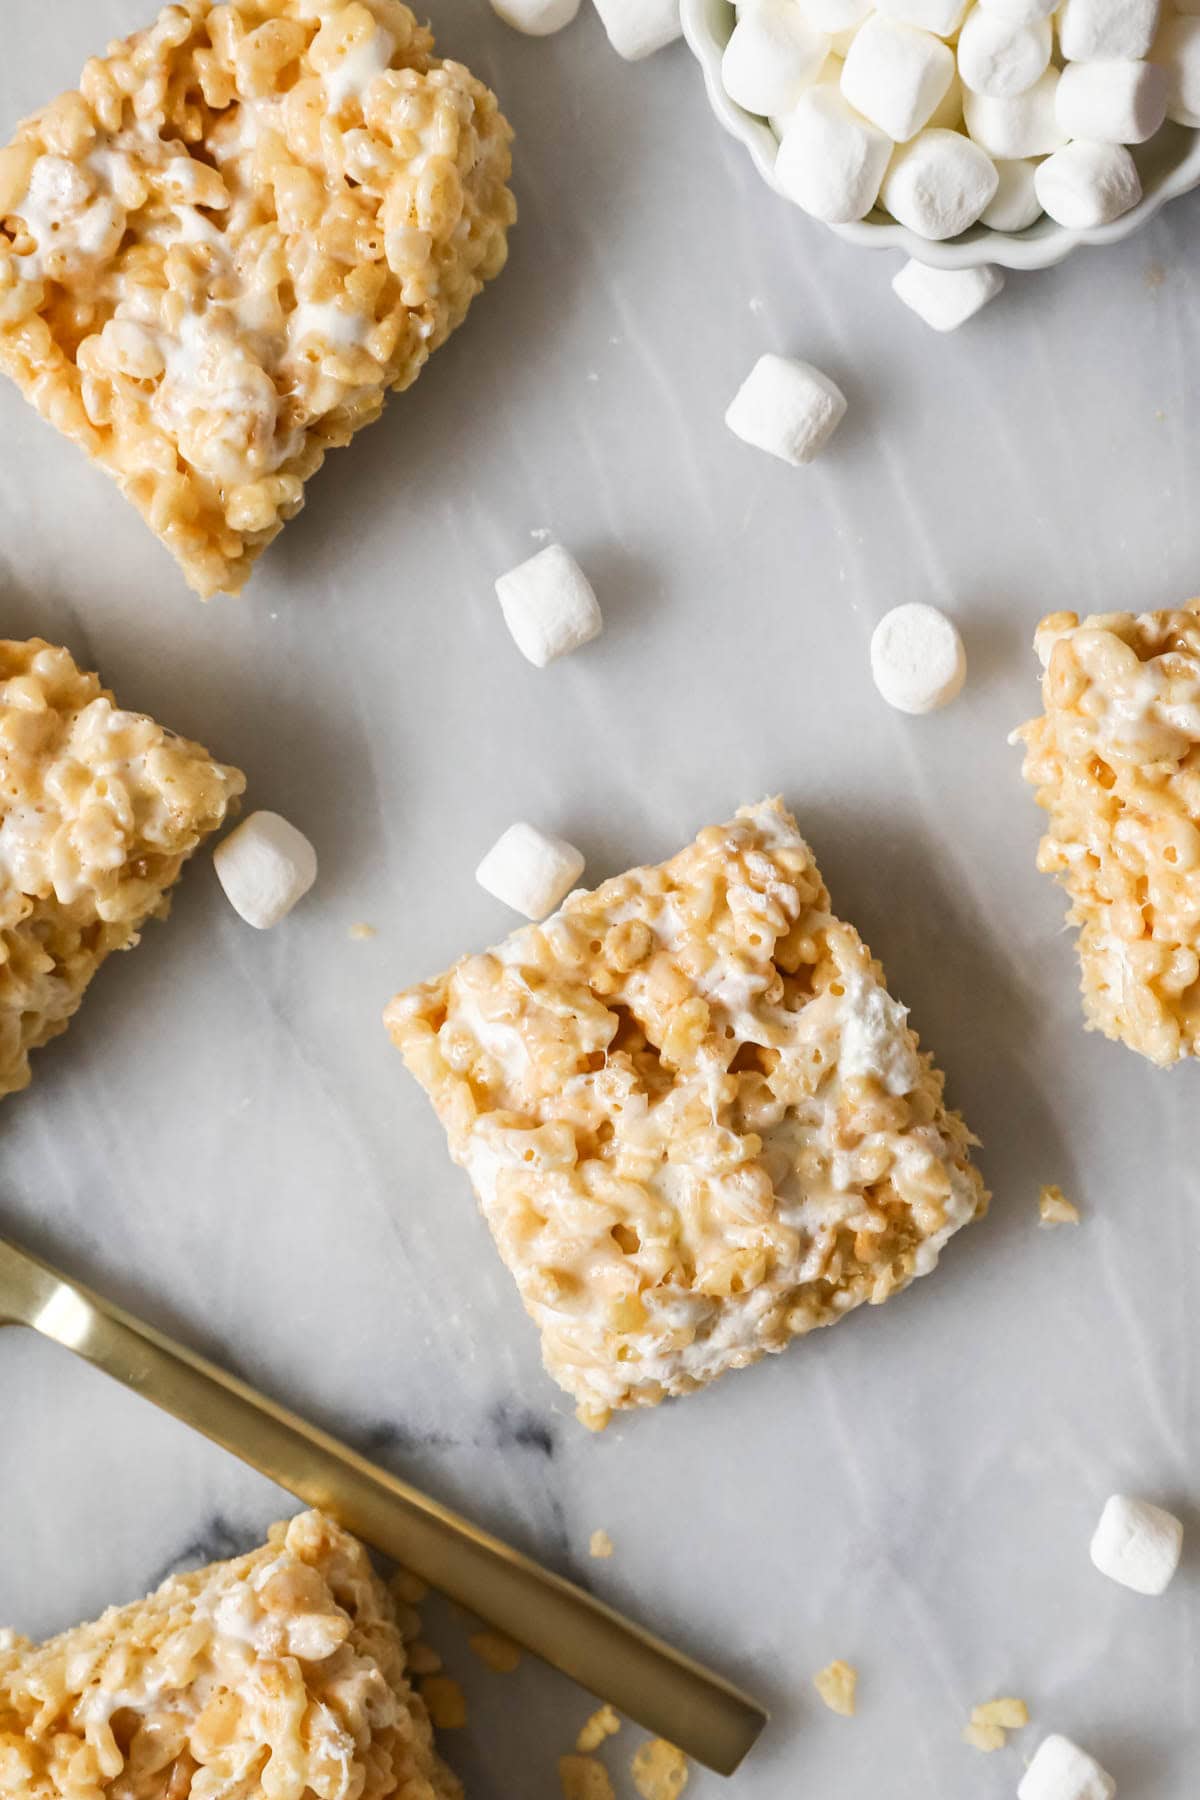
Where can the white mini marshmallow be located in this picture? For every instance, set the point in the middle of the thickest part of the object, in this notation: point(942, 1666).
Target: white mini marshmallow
point(917, 658)
point(1088, 29)
point(637, 28)
point(1087, 184)
point(1179, 51)
point(1015, 204)
point(549, 605)
point(895, 76)
point(939, 184)
point(265, 866)
point(1022, 125)
point(787, 408)
point(1137, 1544)
point(1060, 1770)
point(947, 115)
point(1114, 102)
point(942, 17)
point(1020, 12)
point(529, 871)
point(834, 16)
point(946, 298)
point(536, 18)
point(773, 55)
point(1000, 58)
point(831, 160)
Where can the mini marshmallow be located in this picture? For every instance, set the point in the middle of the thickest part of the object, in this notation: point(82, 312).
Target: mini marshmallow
point(1087, 184)
point(1022, 125)
point(831, 160)
point(1060, 1770)
point(1019, 12)
point(917, 658)
point(942, 17)
point(1000, 58)
point(946, 298)
point(1089, 29)
point(787, 408)
point(947, 115)
point(536, 18)
point(265, 866)
point(529, 871)
point(549, 605)
point(939, 184)
point(773, 55)
point(1179, 51)
point(637, 28)
point(1112, 102)
point(896, 76)
point(834, 16)
point(1137, 1544)
point(1015, 205)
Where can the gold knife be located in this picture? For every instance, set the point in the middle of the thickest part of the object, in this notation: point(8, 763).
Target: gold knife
point(668, 1693)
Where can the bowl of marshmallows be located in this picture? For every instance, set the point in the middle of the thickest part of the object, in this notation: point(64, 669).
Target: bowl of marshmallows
point(962, 132)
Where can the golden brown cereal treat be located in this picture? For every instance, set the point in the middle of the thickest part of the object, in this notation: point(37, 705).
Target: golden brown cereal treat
point(217, 256)
point(99, 810)
point(1115, 760)
point(697, 1123)
point(287, 1660)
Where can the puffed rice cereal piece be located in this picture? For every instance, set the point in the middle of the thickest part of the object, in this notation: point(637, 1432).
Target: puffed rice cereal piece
point(99, 811)
point(584, 1778)
point(288, 1659)
point(1115, 762)
point(659, 1770)
point(838, 1686)
point(1055, 1209)
point(696, 1121)
point(602, 1724)
point(217, 257)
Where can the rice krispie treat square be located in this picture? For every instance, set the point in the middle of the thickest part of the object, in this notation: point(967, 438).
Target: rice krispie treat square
point(99, 810)
point(696, 1121)
point(1115, 760)
point(218, 255)
point(280, 1674)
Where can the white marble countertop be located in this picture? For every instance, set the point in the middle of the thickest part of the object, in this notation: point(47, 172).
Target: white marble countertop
point(227, 1142)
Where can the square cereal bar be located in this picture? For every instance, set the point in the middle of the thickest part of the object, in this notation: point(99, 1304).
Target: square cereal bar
point(217, 256)
point(99, 810)
point(1115, 760)
point(697, 1123)
point(281, 1674)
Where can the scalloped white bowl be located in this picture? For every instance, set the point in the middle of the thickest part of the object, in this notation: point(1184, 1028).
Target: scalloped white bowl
point(1169, 165)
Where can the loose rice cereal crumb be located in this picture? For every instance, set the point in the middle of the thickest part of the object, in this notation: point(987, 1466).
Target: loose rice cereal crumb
point(659, 1770)
point(837, 1685)
point(408, 1587)
point(1009, 1713)
point(1055, 1209)
point(446, 1702)
point(600, 1544)
point(497, 1651)
point(601, 1725)
point(423, 1659)
point(583, 1778)
point(361, 931)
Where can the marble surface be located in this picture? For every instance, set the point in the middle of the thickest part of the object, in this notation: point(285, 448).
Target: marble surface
point(227, 1142)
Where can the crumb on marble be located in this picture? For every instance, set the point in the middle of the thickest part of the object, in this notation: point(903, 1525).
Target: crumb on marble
point(659, 1770)
point(423, 1659)
point(1156, 274)
point(993, 1720)
point(499, 1652)
point(583, 1778)
point(360, 931)
point(408, 1588)
point(446, 1702)
point(600, 1544)
point(1055, 1209)
point(602, 1724)
point(837, 1685)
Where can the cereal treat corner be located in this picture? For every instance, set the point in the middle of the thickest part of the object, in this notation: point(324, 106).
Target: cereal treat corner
point(280, 1673)
point(99, 810)
point(696, 1121)
point(1115, 762)
point(219, 254)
